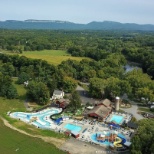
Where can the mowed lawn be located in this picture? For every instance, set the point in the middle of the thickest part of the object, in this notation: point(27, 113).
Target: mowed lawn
point(12, 142)
point(54, 57)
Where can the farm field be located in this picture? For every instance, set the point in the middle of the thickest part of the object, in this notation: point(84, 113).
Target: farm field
point(54, 57)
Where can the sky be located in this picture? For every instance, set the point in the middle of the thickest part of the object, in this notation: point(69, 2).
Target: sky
point(79, 11)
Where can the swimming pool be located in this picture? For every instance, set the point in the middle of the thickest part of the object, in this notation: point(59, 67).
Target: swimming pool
point(40, 119)
point(106, 142)
point(117, 118)
point(72, 127)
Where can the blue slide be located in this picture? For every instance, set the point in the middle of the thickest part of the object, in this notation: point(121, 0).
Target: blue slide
point(123, 139)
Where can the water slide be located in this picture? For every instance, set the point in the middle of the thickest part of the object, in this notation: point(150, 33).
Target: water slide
point(123, 139)
point(117, 142)
point(59, 113)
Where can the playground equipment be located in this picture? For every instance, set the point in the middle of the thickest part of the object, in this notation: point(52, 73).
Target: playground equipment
point(117, 140)
point(110, 138)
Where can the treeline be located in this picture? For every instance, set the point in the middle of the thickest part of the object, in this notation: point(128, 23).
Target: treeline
point(43, 78)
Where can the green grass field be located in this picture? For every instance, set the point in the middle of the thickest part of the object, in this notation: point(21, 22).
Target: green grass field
point(20, 89)
point(54, 57)
point(11, 140)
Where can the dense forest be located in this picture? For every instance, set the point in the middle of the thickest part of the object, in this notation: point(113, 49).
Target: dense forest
point(143, 141)
point(135, 46)
point(109, 52)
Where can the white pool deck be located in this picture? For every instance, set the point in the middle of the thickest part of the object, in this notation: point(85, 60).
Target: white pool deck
point(126, 117)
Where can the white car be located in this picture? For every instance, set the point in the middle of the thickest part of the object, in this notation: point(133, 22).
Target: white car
point(152, 106)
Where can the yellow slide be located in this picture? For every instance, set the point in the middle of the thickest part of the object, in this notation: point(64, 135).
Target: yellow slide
point(116, 143)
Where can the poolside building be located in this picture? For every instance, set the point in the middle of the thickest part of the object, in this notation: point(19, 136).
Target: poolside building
point(62, 103)
point(105, 102)
point(100, 112)
point(132, 125)
point(75, 134)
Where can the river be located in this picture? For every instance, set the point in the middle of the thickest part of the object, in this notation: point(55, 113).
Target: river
point(130, 66)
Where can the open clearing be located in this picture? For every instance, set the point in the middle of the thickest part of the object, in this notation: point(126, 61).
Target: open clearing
point(54, 57)
point(12, 142)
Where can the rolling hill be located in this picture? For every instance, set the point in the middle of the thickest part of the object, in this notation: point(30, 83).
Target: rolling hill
point(56, 25)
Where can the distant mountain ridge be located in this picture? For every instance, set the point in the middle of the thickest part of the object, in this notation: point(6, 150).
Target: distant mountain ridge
point(66, 25)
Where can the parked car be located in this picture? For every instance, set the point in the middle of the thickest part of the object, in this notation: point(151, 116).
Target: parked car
point(152, 106)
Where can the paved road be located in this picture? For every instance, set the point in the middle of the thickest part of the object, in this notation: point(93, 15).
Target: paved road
point(133, 110)
point(84, 96)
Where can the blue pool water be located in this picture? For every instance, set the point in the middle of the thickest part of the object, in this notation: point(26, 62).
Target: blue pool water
point(72, 127)
point(106, 142)
point(41, 117)
point(117, 118)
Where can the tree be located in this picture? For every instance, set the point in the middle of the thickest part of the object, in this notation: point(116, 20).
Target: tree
point(138, 81)
point(97, 87)
point(143, 141)
point(110, 88)
point(8, 69)
point(38, 92)
point(9, 92)
point(75, 101)
point(52, 85)
point(6, 88)
point(22, 78)
point(146, 93)
point(69, 84)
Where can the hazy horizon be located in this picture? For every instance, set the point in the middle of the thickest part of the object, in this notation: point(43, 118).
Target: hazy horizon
point(81, 11)
point(78, 23)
